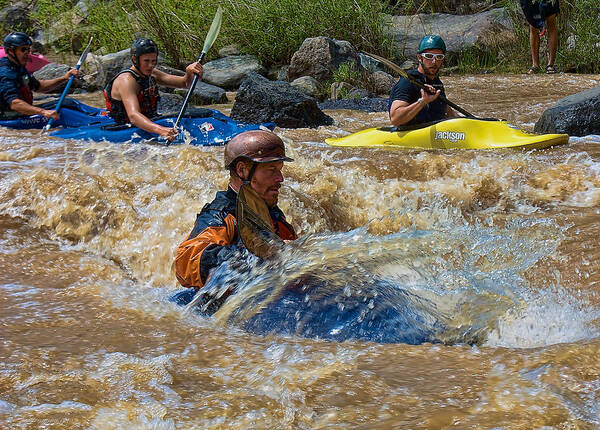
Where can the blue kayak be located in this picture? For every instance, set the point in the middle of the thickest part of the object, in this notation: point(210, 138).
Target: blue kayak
point(72, 114)
point(204, 127)
point(383, 312)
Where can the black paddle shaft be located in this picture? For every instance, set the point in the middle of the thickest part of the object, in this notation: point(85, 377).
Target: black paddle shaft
point(189, 93)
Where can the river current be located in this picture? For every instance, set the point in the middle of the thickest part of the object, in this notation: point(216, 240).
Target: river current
point(503, 243)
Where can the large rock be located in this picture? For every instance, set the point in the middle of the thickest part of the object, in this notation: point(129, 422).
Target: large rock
point(260, 100)
point(575, 115)
point(205, 94)
point(308, 85)
point(55, 70)
point(169, 102)
point(229, 72)
point(484, 29)
point(382, 82)
point(15, 16)
point(320, 56)
point(100, 69)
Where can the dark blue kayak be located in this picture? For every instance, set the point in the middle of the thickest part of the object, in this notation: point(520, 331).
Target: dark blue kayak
point(205, 127)
point(382, 312)
point(72, 114)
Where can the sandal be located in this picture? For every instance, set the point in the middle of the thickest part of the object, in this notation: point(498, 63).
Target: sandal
point(533, 70)
point(550, 70)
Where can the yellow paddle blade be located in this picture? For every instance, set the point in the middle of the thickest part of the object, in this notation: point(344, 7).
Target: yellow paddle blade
point(213, 32)
point(254, 223)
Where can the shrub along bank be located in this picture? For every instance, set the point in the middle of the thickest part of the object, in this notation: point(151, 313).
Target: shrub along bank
point(274, 29)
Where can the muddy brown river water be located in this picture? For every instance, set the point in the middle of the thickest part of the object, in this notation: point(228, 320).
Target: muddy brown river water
point(505, 243)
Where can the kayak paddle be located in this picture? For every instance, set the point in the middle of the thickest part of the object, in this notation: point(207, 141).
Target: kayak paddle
point(210, 39)
point(69, 82)
point(254, 223)
point(405, 75)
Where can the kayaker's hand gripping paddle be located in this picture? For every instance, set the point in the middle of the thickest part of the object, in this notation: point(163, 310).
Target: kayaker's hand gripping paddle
point(405, 75)
point(208, 42)
point(69, 82)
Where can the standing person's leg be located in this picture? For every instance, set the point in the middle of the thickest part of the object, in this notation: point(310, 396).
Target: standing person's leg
point(552, 42)
point(534, 45)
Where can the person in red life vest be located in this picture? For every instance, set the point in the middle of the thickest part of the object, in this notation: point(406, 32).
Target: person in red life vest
point(255, 157)
point(17, 84)
point(132, 96)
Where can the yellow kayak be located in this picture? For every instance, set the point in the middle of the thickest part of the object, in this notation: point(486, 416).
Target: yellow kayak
point(455, 133)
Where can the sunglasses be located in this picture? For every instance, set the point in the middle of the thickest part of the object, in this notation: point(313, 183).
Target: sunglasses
point(25, 49)
point(429, 56)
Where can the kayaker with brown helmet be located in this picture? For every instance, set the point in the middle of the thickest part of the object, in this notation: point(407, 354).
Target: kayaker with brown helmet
point(253, 157)
point(17, 84)
point(409, 104)
point(132, 96)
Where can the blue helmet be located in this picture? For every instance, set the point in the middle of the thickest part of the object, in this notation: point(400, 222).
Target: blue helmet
point(15, 39)
point(432, 42)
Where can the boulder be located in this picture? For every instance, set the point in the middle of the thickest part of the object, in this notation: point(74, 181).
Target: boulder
point(260, 100)
point(340, 90)
point(229, 50)
point(382, 82)
point(205, 94)
point(320, 56)
point(575, 115)
point(55, 70)
point(100, 69)
point(491, 28)
point(370, 64)
point(169, 102)
point(15, 16)
point(229, 72)
point(308, 85)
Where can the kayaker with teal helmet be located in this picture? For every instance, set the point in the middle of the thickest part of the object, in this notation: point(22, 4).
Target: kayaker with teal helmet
point(132, 96)
point(408, 103)
point(253, 157)
point(17, 84)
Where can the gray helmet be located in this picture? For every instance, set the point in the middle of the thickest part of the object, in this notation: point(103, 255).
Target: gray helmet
point(16, 39)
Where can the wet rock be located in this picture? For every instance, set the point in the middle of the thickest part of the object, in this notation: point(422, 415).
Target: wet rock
point(339, 90)
point(100, 69)
point(228, 51)
point(260, 100)
point(320, 56)
point(55, 70)
point(169, 102)
point(485, 29)
point(308, 85)
point(575, 115)
point(382, 82)
point(229, 72)
point(282, 74)
point(205, 94)
point(13, 17)
point(363, 104)
point(370, 64)
point(359, 93)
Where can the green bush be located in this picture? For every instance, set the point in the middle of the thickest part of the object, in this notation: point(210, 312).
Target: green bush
point(270, 29)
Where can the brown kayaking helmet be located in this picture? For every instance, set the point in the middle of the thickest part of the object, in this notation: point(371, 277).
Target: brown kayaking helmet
point(259, 146)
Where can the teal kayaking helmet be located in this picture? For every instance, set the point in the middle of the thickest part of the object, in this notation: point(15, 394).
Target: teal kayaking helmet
point(432, 42)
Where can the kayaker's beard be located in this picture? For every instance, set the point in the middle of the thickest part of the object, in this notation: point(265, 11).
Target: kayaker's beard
point(431, 70)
